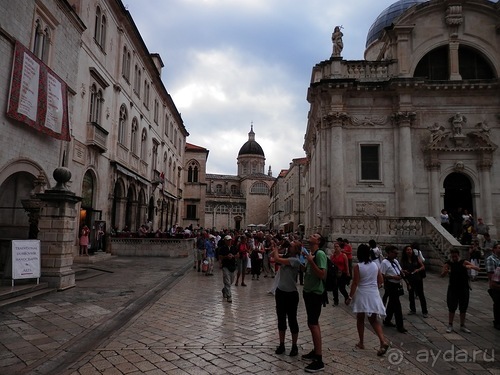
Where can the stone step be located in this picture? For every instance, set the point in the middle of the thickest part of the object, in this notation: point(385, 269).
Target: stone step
point(16, 294)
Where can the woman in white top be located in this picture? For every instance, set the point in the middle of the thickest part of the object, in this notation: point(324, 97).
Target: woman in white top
point(365, 297)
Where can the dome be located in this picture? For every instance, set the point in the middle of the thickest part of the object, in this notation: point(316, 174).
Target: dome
point(387, 17)
point(251, 147)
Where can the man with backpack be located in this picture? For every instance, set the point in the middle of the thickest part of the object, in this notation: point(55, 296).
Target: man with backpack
point(314, 288)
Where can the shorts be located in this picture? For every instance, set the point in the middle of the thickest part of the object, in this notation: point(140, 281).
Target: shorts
point(313, 303)
point(457, 298)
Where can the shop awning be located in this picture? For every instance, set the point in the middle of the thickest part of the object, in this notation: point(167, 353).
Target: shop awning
point(132, 174)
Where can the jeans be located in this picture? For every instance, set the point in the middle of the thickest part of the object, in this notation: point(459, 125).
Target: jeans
point(417, 288)
point(394, 305)
point(227, 279)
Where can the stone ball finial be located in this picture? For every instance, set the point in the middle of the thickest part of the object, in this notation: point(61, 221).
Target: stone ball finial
point(62, 175)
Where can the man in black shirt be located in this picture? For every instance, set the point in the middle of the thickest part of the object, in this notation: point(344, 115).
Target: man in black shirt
point(227, 254)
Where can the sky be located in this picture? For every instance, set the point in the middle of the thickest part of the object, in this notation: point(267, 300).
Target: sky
point(233, 63)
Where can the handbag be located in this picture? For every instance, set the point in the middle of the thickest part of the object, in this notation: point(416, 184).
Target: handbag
point(401, 290)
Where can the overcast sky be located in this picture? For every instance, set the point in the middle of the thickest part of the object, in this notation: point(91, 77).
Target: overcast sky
point(229, 63)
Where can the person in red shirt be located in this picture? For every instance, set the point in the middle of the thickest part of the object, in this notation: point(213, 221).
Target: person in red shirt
point(341, 263)
point(347, 250)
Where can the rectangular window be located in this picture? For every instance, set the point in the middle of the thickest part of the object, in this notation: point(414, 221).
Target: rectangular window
point(191, 211)
point(370, 162)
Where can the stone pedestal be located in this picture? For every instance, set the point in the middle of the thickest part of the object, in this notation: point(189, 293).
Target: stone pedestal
point(57, 232)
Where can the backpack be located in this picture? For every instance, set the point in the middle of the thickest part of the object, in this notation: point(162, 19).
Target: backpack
point(331, 275)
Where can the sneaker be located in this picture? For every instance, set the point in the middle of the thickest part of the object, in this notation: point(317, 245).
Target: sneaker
point(310, 355)
point(224, 293)
point(411, 312)
point(449, 329)
point(229, 299)
point(315, 366)
point(389, 324)
point(425, 315)
point(294, 351)
point(280, 349)
point(465, 329)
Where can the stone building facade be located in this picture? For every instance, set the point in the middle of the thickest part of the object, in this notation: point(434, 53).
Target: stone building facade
point(413, 128)
point(286, 209)
point(126, 139)
point(228, 201)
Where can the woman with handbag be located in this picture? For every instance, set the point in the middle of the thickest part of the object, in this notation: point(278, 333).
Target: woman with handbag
point(391, 270)
point(412, 269)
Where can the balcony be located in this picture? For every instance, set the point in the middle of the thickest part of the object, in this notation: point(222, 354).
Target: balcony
point(96, 136)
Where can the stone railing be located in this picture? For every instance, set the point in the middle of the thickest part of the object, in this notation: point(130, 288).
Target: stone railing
point(357, 69)
point(434, 240)
point(151, 247)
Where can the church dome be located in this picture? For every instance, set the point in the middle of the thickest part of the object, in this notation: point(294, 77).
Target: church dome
point(251, 147)
point(387, 17)
point(389, 14)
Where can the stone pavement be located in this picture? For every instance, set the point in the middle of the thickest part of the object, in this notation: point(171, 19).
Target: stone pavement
point(159, 316)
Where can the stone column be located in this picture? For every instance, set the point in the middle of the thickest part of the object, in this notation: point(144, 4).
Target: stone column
point(336, 157)
point(57, 232)
point(405, 188)
point(485, 170)
point(435, 197)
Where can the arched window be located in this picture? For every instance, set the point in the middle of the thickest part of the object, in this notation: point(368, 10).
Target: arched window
point(133, 137)
point(122, 124)
point(137, 81)
point(259, 188)
point(96, 100)
point(144, 151)
point(218, 188)
point(234, 190)
point(435, 65)
point(42, 40)
point(193, 171)
point(126, 63)
point(154, 156)
point(100, 28)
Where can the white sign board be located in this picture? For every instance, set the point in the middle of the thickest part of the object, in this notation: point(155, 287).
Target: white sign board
point(26, 259)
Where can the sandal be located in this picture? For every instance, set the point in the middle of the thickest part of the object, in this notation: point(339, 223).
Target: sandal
point(383, 350)
point(359, 346)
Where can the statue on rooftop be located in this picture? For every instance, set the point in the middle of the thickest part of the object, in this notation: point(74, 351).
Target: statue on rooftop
point(338, 44)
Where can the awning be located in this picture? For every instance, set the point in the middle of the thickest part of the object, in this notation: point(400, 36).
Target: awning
point(169, 195)
point(129, 173)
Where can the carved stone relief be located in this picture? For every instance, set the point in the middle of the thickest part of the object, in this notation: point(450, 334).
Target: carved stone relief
point(370, 208)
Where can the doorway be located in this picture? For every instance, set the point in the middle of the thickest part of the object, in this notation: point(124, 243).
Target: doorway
point(457, 192)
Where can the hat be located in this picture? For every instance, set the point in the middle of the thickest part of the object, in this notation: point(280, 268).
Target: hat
point(228, 237)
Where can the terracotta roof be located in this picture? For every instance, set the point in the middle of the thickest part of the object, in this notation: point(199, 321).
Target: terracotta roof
point(301, 161)
point(283, 173)
point(191, 147)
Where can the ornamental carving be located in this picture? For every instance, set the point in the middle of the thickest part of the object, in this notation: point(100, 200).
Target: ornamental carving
point(404, 117)
point(370, 208)
point(458, 139)
point(454, 18)
point(334, 119)
point(368, 121)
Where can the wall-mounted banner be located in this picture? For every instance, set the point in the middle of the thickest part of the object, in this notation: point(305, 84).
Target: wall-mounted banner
point(26, 259)
point(38, 97)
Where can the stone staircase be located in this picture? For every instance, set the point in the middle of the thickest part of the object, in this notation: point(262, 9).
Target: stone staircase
point(10, 295)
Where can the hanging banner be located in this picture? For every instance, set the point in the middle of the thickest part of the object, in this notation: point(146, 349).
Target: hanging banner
point(38, 97)
point(26, 259)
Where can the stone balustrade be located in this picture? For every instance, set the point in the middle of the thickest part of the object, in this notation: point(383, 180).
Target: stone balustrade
point(151, 247)
point(359, 70)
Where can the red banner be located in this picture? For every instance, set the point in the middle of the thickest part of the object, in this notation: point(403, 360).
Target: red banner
point(38, 97)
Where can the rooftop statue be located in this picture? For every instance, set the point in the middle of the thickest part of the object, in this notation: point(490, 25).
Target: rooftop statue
point(338, 44)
